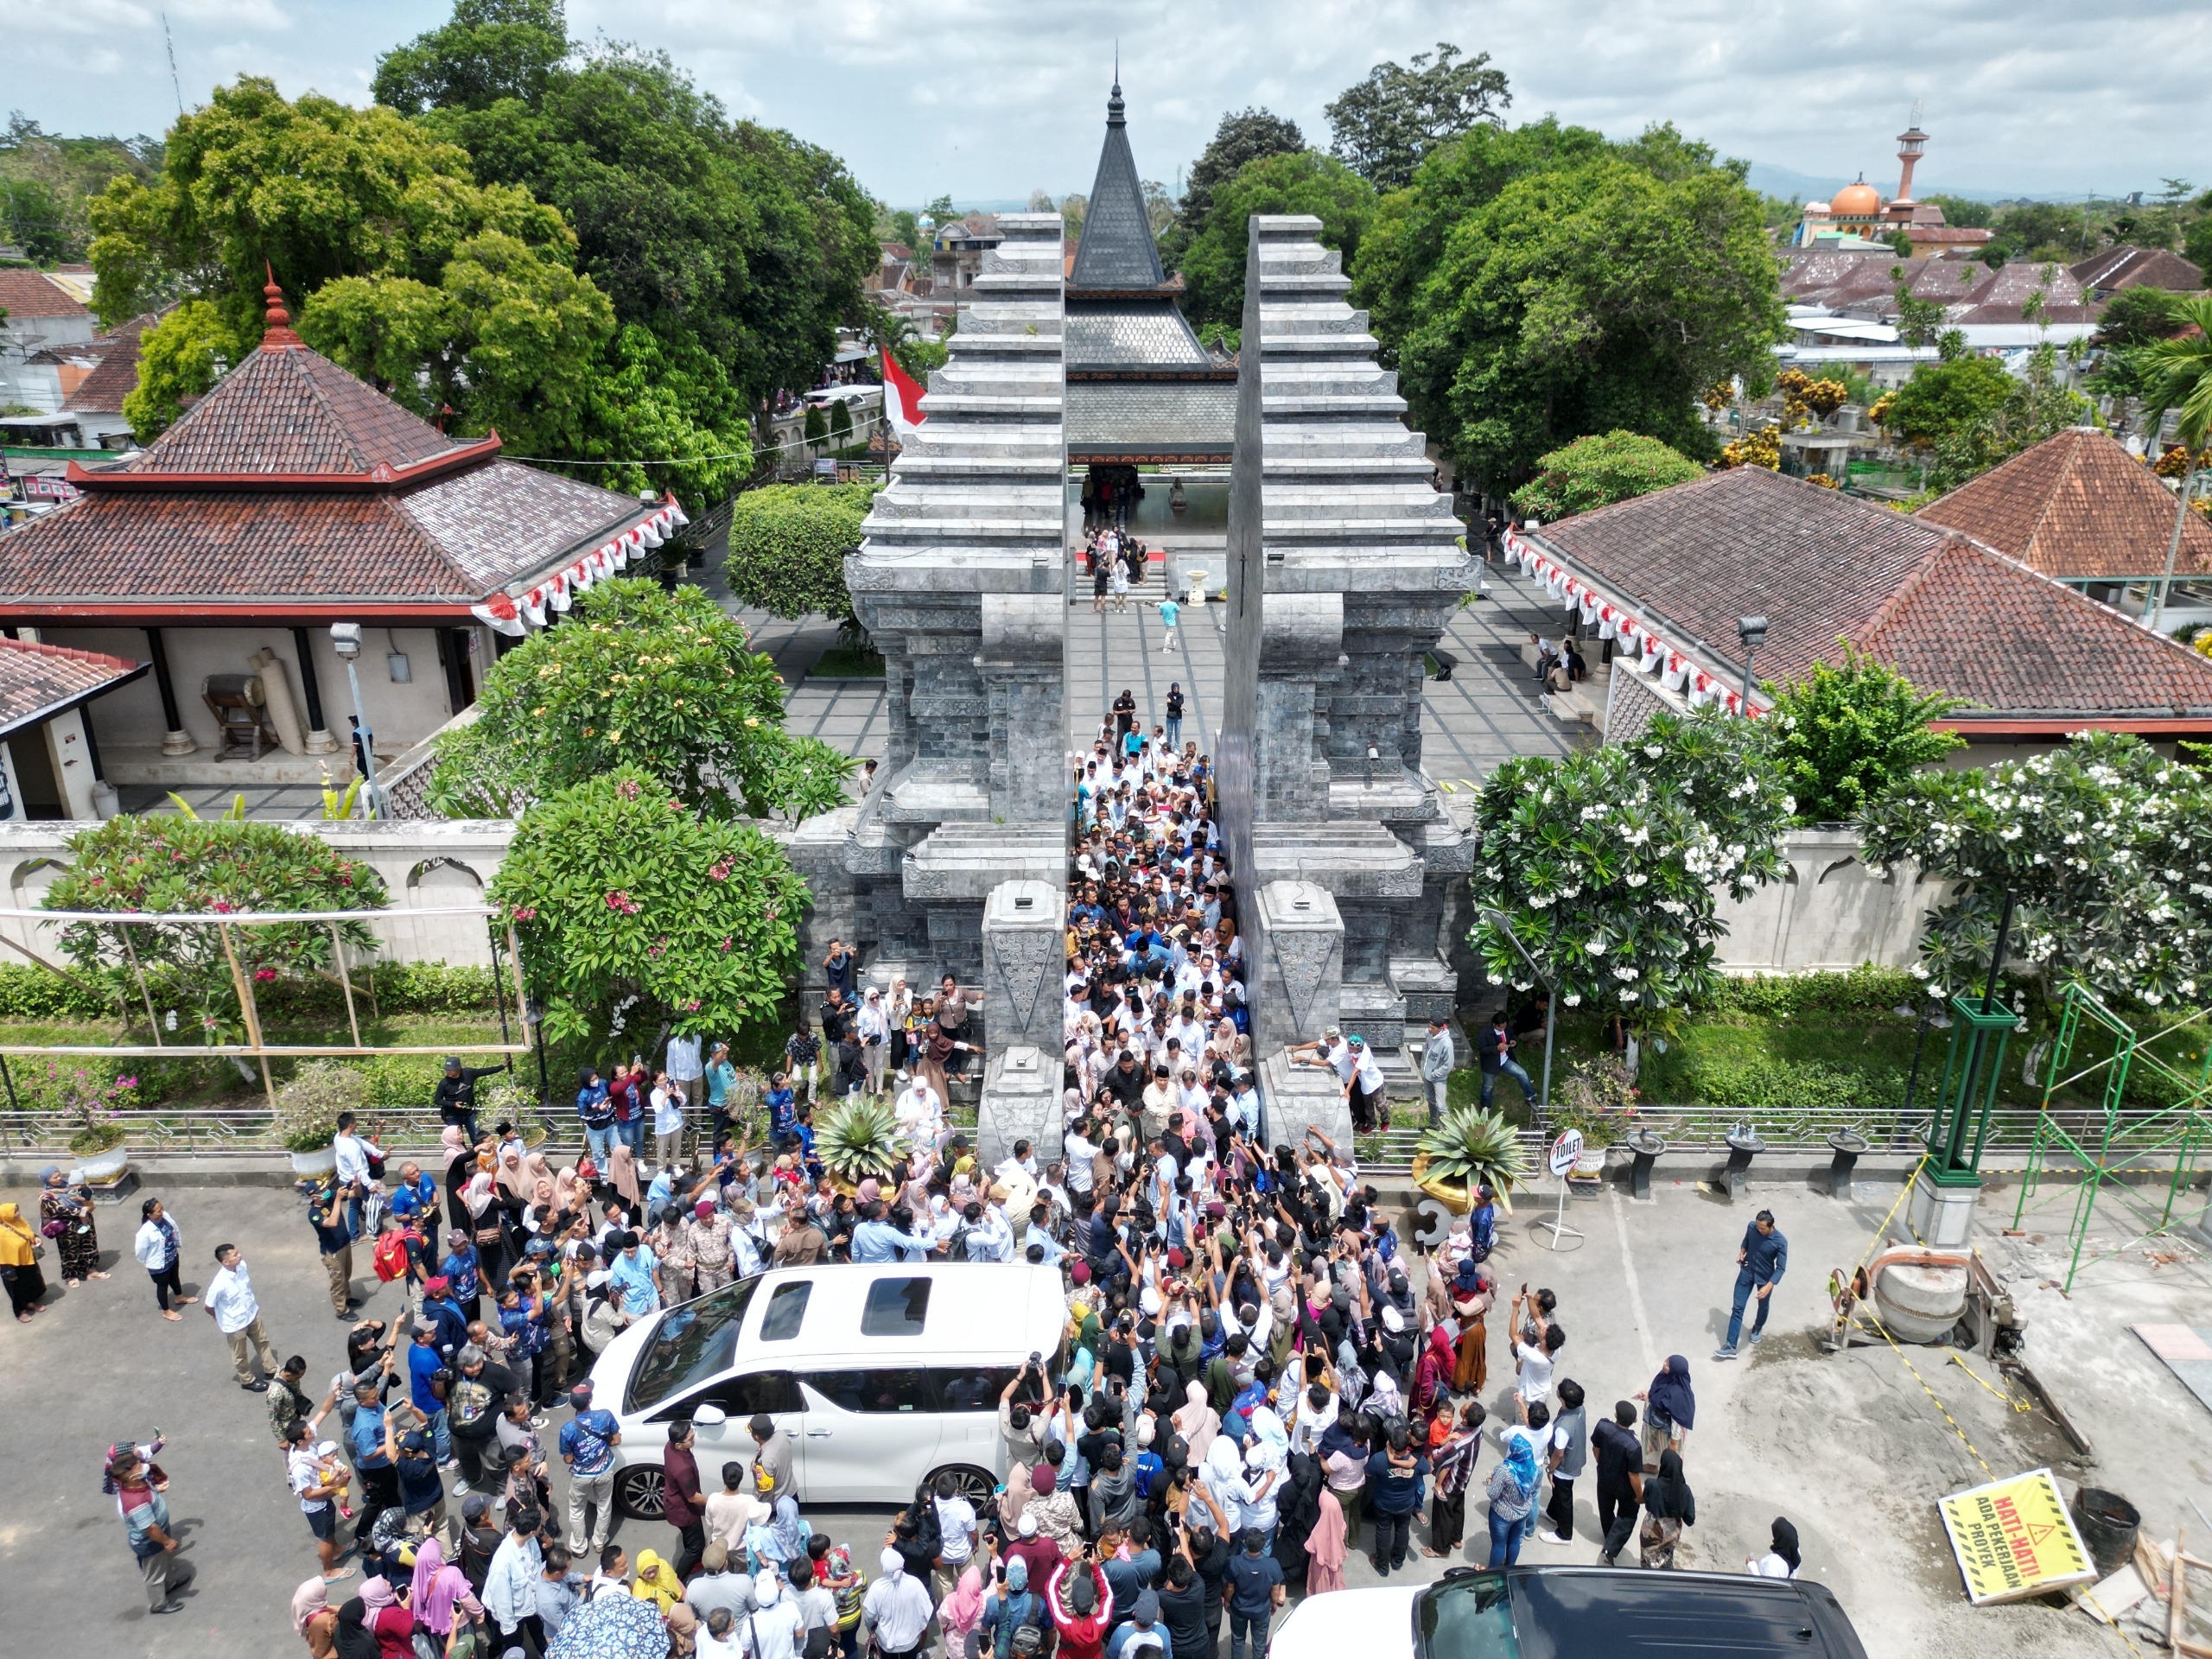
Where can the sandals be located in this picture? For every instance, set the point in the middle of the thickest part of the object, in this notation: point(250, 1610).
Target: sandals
point(171, 1313)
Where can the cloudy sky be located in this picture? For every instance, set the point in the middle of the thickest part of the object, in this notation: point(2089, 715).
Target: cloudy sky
point(988, 98)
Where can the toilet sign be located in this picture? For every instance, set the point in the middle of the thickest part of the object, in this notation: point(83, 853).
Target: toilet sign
point(1565, 1151)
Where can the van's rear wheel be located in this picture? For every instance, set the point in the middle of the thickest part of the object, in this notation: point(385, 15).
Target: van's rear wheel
point(638, 1494)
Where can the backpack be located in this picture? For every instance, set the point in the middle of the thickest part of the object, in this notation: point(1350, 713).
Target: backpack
point(391, 1256)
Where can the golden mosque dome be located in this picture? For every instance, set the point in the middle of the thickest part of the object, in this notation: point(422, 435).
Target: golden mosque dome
point(1858, 201)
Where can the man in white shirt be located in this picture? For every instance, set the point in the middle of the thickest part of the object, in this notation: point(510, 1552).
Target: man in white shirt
point(685, 1070)
point(237, 1316)
point(776, 1629)
point(956, 1531)
point(896, 1608)
point(354, 1152)
point(1364, 1088)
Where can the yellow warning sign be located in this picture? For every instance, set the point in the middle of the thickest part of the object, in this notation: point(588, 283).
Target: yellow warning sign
point(2014, 1539)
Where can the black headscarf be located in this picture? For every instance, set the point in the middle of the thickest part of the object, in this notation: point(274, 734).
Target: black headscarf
point(1666, 1496)
point(1785, 1543)
point(1670, 1395)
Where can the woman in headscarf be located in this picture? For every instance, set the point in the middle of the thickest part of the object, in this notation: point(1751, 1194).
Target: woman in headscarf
point(1471, 1300)
point(1668, 1506)
point(314, 1619)
point(1670, 1411)
point(1325, 1546)
point(1512, 1493)
point(439, 1588)
point(960, 1614)
point(351, 1637)
point(383, 1617)
point(1197, 1422)
point(1297, 1506)
point(19, 1262)
point(486, 1226)
point(1014, 1498)
point(622, 1173)
point(1055, 1510)
point(65, 1213)
point(570, 1194)
point(1432, 1375)
point(452, 1142)
point(657, 1581)
point(1782, 1559)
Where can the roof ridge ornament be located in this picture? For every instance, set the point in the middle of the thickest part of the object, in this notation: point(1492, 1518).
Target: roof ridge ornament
point(277, 335)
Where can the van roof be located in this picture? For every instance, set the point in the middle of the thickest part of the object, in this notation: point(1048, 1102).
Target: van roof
point(976, 1310)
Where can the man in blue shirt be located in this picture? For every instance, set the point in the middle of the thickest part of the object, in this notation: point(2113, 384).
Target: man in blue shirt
point(1759, 1265)
point(425, 1364)
point(445, 1317)
point(1255, 1592)
point(588, 1443)
point(877, 1240)
point(415, 1201)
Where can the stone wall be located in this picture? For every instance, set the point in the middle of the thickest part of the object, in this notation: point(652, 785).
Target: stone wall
point(1832, 911)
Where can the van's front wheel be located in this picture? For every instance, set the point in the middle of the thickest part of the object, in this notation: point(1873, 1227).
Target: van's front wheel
point(638, 1494)
point(977, 1485)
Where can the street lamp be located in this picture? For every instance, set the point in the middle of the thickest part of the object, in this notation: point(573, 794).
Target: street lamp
point(346, 640)
point(1497, 919)
point(1752, 630)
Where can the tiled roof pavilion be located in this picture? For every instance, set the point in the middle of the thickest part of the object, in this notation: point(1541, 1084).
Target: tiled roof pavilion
point(294, 493)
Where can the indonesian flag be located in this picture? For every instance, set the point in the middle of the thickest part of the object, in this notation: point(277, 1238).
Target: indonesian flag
point(902, 398)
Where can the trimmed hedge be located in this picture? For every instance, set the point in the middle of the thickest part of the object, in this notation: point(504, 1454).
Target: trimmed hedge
point(788, 547)
point(31, 993)
point(1783, 1088)
point(1863, 990)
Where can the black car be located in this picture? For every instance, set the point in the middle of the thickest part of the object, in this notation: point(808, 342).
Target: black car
point(1578, 1612)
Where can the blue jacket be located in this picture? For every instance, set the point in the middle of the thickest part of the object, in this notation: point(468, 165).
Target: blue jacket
point(1764, 1256)
point(593, 1107)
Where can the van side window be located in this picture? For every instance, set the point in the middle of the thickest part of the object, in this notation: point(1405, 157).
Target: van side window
point(888, 1390)
point(739, 1397)
point(786, 1310)
point(895, 1307)
point(970, 1387)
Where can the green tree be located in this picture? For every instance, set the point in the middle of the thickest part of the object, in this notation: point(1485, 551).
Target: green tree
point(2135, 316)
point(47, 181)
point(1851, 732)
point(1919, 322)
point(736, 236)
point(788, 547)
point(632, 907)
point(1943, 398)
point(660, 684)
point(178, 358)
point(1605, 864)
point(2105, 846)
point(1961, 213)
point(490, 50)
point(1243, 136)
point(1599, 470)
point(1606, 292)
point(2196, 243)
point(1307, 182)
point(1384, 125)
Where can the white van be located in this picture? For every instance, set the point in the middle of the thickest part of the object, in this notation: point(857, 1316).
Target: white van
point(883, 1375)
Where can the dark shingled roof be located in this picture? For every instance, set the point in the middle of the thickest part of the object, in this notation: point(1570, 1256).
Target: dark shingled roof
point(1117, 250)
point(115, 377)
point(2110, 269)
point(242, 538)
point(38, 680)
point(2077, 505)
point(1823, 567)
point(293, 411)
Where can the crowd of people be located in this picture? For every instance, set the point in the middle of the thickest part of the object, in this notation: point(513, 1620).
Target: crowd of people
point(1257, 1378)
point(1117, 563)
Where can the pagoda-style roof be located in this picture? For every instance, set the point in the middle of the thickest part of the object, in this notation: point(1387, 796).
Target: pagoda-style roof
point(1141, 387)
point(294, 491)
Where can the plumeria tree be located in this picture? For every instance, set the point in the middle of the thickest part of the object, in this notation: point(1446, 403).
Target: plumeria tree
point(2105, 846)
point(1608, 864)
point(632, 907)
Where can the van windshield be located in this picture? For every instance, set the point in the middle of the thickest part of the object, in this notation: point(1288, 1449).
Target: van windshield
point(691, 1345)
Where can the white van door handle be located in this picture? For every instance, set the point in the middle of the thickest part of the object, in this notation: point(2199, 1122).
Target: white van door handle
point(819, 1434)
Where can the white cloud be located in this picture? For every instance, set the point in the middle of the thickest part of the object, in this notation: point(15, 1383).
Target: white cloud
point(987, 98)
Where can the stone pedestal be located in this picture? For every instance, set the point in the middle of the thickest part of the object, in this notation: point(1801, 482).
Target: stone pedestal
point(1020, 1101)
point(1941, 1213)
point(1302, 1097)
point(1298, 964)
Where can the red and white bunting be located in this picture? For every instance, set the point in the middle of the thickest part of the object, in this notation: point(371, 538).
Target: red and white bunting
point(498, 611)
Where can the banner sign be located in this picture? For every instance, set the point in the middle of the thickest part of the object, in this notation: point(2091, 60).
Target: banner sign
point(2014, 1539)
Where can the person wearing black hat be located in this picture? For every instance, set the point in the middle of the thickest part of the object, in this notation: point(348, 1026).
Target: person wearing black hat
point(456, 1096)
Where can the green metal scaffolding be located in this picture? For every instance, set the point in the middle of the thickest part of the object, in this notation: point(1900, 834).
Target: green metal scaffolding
point(2109, 1142)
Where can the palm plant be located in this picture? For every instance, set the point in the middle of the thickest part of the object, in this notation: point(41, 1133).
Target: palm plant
point(1473, 1146)
point(2178, 375)
point(859, 1138)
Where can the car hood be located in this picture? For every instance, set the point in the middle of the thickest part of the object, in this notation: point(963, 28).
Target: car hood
point(1374, 1624)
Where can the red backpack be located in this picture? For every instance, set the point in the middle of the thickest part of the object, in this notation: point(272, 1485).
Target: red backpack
point(390, 1256)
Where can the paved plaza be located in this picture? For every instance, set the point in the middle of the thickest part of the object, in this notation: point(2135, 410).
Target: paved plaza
point(1835, 1443)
